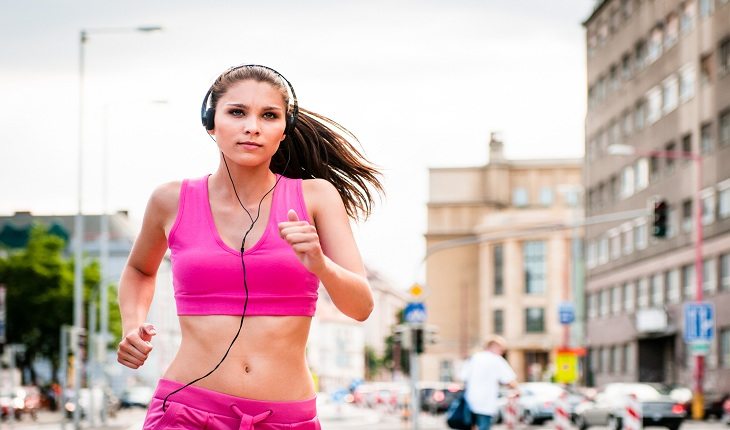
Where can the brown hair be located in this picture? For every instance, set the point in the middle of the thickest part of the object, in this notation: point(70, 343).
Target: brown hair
point(318, 147)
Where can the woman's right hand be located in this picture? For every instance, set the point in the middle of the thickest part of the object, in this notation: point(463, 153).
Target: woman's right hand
point(136, 346)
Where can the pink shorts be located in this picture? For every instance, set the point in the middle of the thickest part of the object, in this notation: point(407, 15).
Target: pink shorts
point(199, 408)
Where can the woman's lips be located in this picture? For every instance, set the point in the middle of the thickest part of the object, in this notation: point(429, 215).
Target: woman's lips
point(249, 145)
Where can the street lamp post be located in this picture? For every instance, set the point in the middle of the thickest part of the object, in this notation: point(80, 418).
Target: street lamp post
point(620, 149)
point(79, 218)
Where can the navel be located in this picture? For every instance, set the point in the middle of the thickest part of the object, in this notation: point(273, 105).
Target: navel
point(246, 368)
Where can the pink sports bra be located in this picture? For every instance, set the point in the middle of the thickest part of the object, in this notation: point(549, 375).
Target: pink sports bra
point(206, 273)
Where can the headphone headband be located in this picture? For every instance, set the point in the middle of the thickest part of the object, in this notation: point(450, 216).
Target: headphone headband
point(207, 114)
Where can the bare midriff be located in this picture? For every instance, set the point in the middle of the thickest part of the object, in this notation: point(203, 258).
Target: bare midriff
point(267, 361)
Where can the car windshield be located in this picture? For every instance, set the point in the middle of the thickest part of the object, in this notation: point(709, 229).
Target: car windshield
point(642, 391)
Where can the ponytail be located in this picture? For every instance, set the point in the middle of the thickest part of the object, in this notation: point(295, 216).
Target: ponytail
point(321, 148)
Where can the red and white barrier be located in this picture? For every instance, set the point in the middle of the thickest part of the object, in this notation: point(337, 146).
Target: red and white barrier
point(510, 415)
point(632, 416)
point(561, 416)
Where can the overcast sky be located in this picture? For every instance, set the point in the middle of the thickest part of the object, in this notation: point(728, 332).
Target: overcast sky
point(421, 83)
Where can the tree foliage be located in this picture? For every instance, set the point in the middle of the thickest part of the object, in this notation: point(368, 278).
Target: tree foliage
point(39, 300)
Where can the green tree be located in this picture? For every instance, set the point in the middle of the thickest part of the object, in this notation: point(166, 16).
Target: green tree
point(39, 282)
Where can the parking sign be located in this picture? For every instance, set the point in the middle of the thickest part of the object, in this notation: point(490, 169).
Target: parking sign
point(699, 322)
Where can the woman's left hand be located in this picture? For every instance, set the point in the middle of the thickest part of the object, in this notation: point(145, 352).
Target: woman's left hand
point(304, 240)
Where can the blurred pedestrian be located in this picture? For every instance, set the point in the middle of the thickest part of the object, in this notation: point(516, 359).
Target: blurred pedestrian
point(483, 374)
point(302, 175)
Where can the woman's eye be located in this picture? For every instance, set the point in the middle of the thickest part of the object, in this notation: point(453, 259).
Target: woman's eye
point(270, 115)
point(236, 112)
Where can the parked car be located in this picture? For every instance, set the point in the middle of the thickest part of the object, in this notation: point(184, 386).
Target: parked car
point(536, 403)
point(609, 405)
point(139, 396)
point(726, 412)
point(86, 396)
point(19, 402)
point(439, 398)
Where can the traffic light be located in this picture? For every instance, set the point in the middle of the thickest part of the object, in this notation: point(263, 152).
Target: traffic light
point(418, 340)
point(660, 218)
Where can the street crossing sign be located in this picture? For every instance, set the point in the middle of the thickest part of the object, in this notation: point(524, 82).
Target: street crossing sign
point(415, 313)
point(699, 322)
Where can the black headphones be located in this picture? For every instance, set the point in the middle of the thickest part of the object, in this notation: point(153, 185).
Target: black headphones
point(207, 114)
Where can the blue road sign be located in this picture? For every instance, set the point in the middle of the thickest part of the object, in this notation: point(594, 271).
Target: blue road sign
point(566, 312)
point(699, 322)
point(415, 313)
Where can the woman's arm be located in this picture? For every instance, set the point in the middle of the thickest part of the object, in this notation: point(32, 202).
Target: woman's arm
point(328, 249)
point(137, 283)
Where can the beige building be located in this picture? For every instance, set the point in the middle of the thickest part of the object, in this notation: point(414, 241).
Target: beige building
point(658, 77)
point(512, 267)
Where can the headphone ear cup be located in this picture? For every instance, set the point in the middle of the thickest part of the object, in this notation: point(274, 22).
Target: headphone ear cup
point(209, 119)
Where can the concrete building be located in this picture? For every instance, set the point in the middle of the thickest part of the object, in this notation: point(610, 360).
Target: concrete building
point(658, 77)
point(513, 267)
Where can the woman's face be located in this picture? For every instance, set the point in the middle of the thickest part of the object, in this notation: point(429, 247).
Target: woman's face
point(250, 119)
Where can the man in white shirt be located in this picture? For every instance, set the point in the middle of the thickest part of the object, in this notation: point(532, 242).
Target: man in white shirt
point(482, 375)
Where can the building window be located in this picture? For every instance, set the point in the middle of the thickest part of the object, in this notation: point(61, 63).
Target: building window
point(615, 300)
point(655, 44)
point(641, 235)
point(640, 115)
point(657, 290)
point(725, 347)
point(671, 281)
point(603, 250)
point(672, 31)
point(628, 239)
point(723, 201)
point(708, 207)
point(688, 276)
point(686, 82)
point(653, 168)
point(640, 54)
point(616, 359)
point(498, 269)
point(654, 102)
point(709, 279)
point(627, 181)
point(706, 69)
point(613, 78)
point(706, 8)
point(672, 221)
point(546, 196)
point(535, 267)
point(626, 67)
point(629, 354)
point(535, 320)
point(686, 21)
point(725, 56)
point(595, 360)
point(724, 128)
point(643, 296)
point(606, 359)
point(725, 272)
point(626, 8)
point(519, 197)
point(615, 238)
point(687, 143)
point(605, 302)
point(687, 215)
point(499, 321)
point(593, 305)
point(670, 162)
point(626, 125)
point(629, 293)
point(641, 174)
point(706, 138)
point(591, 257)
point(670, 94)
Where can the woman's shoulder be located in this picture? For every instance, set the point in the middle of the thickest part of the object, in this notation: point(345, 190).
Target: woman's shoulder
point(165, 199)
point(318, 187)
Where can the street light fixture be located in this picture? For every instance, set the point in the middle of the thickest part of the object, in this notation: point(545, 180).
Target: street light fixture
point(622, 149)
point(78, 219)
